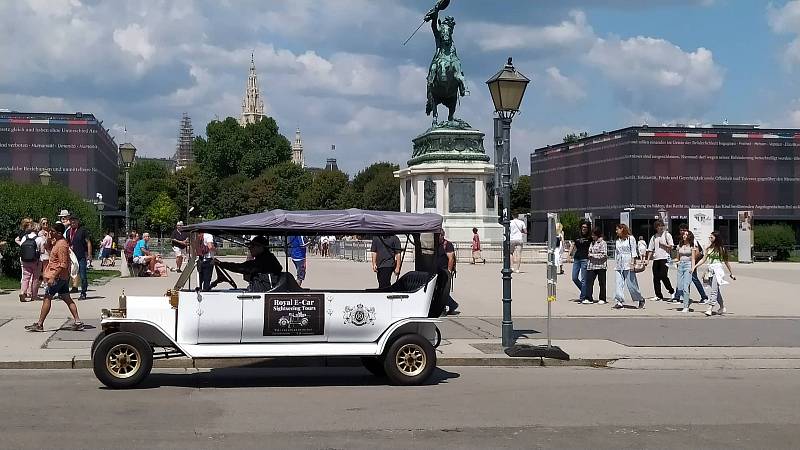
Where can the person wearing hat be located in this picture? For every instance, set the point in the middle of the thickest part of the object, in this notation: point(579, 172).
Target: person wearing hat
point(81, 246)
point(180, 240)
point(263, 262)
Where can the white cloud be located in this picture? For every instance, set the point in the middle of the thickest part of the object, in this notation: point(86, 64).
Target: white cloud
point(656, 76)
point(570, 34)
point(135, 40)
point(561, 86)
point(786, 20)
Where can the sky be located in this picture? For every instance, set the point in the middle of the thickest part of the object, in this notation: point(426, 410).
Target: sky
point(337, 69)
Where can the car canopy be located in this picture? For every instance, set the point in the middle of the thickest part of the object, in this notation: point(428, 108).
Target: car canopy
point(349, 221)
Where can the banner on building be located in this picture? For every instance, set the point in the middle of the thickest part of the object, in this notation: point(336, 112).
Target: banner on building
point(625, 218)
point(745, 236)
point(701, 224)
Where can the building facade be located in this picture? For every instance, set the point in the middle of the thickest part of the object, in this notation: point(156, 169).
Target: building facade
point(651, 169)
point(75, 149)
point(297, 150)
point(252, 104)
point(184, 150)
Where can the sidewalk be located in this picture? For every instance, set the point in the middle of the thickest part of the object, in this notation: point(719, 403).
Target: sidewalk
point(761, 331)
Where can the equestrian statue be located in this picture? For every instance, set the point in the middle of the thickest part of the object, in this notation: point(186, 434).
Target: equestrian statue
point(445, 78)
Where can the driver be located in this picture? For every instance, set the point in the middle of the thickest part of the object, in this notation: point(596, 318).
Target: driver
point(263, 262)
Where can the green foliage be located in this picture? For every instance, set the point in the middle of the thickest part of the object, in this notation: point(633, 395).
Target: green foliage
point(328, 190)
point(521, 196)
point(376, 188)
point(162, 214)
point(569, 221)
point(572, 137)
point(36, 201)
point(278, 188)
point(774, 238)
point(369, 173)
point(230, 149)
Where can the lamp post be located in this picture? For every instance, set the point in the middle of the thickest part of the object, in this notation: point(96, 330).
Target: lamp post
point(45, 178)
point(507, 87)
point(127, 153)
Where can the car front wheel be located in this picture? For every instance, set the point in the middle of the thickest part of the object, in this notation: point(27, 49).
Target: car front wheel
point(410, 360)
point(122, 360)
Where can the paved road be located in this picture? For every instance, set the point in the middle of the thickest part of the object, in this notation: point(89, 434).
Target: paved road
point(464, 408)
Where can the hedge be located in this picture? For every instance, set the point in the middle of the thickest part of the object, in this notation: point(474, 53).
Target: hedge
point(774, 238)
point(36, 201)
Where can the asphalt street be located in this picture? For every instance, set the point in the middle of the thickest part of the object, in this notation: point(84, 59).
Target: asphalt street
point(461, 408)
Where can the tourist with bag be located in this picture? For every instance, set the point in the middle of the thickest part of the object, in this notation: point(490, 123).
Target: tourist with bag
point(717, 258)
point(30, 252)
point(659, 251)
point(627, 267)
point(596, 267)
point(685, 260)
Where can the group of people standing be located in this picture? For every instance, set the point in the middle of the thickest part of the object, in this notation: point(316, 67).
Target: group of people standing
point(590, 262)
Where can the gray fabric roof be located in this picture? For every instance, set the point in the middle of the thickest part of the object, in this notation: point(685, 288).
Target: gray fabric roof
point(348, 221)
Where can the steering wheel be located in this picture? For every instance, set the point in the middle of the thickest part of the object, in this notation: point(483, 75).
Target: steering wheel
point(222, 277)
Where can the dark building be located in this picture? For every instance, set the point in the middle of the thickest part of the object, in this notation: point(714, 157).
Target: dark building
point(74, 148)
point(727, 168)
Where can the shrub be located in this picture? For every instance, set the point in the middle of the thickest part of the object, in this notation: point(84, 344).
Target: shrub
point(774, 238)
point(37, 201)
point(569, 221)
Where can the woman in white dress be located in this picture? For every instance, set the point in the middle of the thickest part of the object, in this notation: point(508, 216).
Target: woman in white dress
point(559, 247)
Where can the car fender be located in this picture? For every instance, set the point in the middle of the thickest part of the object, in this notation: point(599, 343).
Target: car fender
point(426, 327)
point(151, 332)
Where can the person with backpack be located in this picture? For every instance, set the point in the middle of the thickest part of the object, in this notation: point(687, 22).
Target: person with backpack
point(31, 246)
point(624, 258)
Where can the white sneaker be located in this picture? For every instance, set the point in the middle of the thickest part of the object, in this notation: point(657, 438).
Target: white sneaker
point(685, 310)
point(587, 302)
point(601, 302)
point(722, 311)
point(618, 305)
point(710, 311)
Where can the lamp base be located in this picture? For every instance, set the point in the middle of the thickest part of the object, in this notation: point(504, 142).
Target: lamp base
point(536, 351)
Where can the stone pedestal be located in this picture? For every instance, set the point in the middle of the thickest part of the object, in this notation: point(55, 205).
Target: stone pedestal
point(450, 174)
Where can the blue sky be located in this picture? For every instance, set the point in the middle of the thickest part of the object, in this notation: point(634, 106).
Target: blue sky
point(337, 69)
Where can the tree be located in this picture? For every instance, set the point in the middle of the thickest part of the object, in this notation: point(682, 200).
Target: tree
point(328, 190)
point(162, 214)
point(774, 238)
point(569, 222)
point(279, 187)
point(521, 196)
point(147, 179)
point(369, 173)
point(382, 193)
point(572, 137)
point(230, 149)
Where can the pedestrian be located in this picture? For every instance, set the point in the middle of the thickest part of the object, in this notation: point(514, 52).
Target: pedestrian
point(659, 252)
point(625, 253)
point(717, 256)
point(580, 257)
point(323, 245)
point(30, 251)
point(596, 267)
point(684, 261)
point(143, 256)
point(518, 233)
point(559, 252)
point(130, 245)
point(697, 254)
point(44, 257)
point(206, 252)
point(297, 249)
point(476, 248)
point(446, 263)
point(81, 246)
point(386, 258)
point(106, 249)
point(63, 217)
point(57, 279)
point(641, 247)
point(180, 241)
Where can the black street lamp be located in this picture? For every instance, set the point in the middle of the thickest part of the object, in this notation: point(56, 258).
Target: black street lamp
point(507, 88)
point(127, 153)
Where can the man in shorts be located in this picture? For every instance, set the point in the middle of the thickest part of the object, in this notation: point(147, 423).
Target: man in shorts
point(142, 255)
point(180, 242)
point(57, 278)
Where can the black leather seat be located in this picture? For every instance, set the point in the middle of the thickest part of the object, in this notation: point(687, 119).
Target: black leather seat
point(282, 282)
point(408, 283)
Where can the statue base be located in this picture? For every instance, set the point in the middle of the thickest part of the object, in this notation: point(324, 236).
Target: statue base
point(449, 174)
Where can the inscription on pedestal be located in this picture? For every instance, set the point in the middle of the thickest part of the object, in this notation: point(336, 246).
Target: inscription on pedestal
point(461, 195)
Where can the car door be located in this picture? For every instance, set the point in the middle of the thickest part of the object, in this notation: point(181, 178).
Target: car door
point(284, 317)
point(219, 317)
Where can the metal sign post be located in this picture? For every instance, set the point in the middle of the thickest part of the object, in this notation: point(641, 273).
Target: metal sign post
point(549, 350)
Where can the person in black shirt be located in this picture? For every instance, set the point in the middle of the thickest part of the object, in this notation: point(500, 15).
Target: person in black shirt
point(81, 246)
point(446, 261)
point(180, 240)
point(385, 258)
point(580, 258)
point(263, 262)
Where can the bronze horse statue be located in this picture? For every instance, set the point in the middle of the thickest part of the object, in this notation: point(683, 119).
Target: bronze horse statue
point(445, 77)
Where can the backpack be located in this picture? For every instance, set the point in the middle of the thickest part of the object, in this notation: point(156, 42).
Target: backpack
point(29, 250)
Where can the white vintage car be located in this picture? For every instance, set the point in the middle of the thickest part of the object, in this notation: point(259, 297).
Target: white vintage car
point(393, 330)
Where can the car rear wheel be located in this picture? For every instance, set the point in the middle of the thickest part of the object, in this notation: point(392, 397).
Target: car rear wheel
point(410, 360)
point(122, 360)
point(374, 365)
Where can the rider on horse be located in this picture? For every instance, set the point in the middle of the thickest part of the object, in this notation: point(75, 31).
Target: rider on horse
point(445, 78)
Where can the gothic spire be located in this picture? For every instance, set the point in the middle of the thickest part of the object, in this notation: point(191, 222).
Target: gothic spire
point(252, 104)
point(297, 150)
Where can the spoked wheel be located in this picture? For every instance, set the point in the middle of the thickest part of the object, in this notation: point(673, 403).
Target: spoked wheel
point(122, 360)
point(410, 360)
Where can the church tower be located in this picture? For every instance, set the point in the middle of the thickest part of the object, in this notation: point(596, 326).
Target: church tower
point(252, 105)
point(297, 150)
